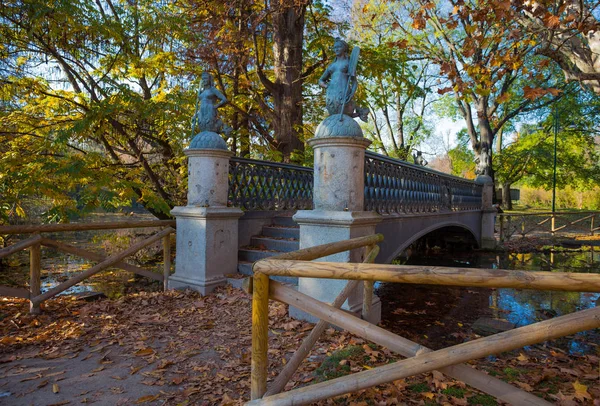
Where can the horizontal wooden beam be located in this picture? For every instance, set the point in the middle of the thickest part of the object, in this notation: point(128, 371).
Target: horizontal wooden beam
point(107, 225)
point(320, 251)
point(34, 239)
point(14, 292)
point(475, 277)
point(400, 345)
point(92, 256)
point(110, 261)
point(498, 343)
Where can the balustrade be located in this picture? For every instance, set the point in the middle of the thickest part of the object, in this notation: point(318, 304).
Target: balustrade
point(395, 186)
point(263, 185)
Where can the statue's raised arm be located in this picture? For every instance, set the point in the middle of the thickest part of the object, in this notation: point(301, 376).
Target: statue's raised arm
point(208, 101)
point(340, 81)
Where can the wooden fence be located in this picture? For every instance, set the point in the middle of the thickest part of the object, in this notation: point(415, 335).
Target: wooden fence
point(35, 242)
point(523, 224)
point(421, 359)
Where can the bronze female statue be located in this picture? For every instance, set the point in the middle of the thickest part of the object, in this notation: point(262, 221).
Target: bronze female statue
point(340, 81)
point(208, 101)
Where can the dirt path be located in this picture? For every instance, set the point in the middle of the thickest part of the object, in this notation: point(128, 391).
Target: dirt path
point(177, 348)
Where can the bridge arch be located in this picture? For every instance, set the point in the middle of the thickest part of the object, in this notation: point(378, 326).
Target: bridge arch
point(401, 231)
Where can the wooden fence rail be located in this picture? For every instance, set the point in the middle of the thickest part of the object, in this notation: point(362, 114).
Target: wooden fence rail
point(546, 222)
point(34, 243)
point(424, 360)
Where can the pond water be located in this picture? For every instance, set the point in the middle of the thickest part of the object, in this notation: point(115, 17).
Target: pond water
point(443, 315)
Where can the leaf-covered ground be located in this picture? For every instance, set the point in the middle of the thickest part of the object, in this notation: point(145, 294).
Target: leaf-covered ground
point(177, 348)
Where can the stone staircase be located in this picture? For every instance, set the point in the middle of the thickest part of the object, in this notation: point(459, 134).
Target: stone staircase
point(283, 235)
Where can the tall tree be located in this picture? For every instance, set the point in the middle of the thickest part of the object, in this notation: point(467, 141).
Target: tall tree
point(93, 94)
point(487, 62)
point(396, 85)
point(266, 45)
point(567, 32)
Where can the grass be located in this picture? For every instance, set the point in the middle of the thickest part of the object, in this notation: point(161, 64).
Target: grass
point(419, 387)
point(484, 400)
point(454, 391)
point(331, 368)
point(511, 373)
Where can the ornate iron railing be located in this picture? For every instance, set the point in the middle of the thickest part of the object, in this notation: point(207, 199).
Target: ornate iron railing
point(395, 186)
point(263, 185)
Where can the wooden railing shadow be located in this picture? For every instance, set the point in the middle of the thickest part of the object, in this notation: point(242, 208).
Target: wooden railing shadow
point(35, 242)
point(421, 359)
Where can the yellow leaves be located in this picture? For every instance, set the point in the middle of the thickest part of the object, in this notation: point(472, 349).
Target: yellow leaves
point(522, 357)
point(55, 388)
point(581, 392)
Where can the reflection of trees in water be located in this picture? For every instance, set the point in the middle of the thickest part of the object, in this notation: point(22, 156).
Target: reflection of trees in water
point(523, 307)
point(587, 261)
point(529, 306)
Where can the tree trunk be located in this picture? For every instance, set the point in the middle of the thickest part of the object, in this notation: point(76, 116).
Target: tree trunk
point(484, 150)
point(288, 38)
point(506, 200)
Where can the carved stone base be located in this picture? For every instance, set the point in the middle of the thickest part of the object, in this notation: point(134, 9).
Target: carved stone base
point(207, 244)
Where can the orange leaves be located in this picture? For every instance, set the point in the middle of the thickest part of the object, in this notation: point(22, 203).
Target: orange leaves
point(444, 90)
point(551, 21)
point(418, 22)
point(144, 352)
point(503, 98)
point(146, 399)
point(531, 93)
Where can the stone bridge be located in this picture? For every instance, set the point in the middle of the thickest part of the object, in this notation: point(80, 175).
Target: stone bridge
point(257, 208)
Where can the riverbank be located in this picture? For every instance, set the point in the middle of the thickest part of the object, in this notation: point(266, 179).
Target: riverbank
point(177, 348)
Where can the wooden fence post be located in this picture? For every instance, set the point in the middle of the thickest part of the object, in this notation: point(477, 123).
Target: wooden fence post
point(34, 276)
point(368, 285)
point(260, 335)
point(553, 225)
point(592, 225)
point(166, 260)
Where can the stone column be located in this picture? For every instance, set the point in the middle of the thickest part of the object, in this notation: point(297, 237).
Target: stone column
point(207, 230)
point(338, 214)
point(488, 212)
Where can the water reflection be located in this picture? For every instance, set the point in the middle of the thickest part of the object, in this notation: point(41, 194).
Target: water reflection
point(523, 307)
point(58, 267)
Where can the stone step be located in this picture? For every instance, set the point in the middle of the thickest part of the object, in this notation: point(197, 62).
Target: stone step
point(286, 221)
point(281, 232)
point(245, 268)
point(275, 244)
point(250, 255)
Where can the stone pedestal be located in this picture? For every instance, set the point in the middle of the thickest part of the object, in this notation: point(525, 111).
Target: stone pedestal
point(319, 227)
point(207, 230)
point(206, 247)
point(338, 196)
point(488, 213)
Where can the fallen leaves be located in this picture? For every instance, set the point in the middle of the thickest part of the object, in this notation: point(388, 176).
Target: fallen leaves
point(144, 352)
point(161, 338)
point(146, 399)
